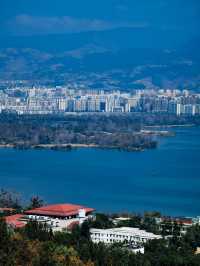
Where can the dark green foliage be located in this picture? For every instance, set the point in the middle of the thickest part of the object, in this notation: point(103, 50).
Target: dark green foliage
point(62, 238)
point(149, 224)
point(107, 131)
point(133, 221)
point(102, 221)
point(193, 236)
point(4, 233)
point(5, 242)
point(9, 199)
point(40, 231)
point(111, 131)
point(36, 202)
point(36, 245)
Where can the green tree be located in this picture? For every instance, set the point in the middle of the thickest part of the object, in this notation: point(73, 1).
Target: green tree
point(35, 230)
point(4, 242)
point(102, 221)
point(9, 199)
point(36, 202)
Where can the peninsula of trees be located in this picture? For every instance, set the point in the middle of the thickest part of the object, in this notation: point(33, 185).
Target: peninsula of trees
point(121, 131)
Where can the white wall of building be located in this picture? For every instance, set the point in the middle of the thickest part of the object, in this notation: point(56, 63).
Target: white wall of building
point(122, 234)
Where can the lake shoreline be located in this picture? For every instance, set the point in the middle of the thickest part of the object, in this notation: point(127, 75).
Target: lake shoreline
point(70, 146)
point(67, 147)
point(170, 126)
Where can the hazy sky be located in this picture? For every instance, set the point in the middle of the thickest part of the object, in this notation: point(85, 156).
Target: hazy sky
point(29, 17)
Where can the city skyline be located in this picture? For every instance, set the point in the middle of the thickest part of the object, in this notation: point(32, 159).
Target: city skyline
point(61, 100)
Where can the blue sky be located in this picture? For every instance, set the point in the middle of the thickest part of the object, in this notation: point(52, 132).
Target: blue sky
point(32, 17)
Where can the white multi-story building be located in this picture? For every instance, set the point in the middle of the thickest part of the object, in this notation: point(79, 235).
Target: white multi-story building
point(134, 236)
point(62, 104)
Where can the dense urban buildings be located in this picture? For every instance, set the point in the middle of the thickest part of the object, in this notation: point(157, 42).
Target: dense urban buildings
point(61, 100)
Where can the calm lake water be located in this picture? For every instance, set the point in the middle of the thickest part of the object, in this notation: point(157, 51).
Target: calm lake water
point(165, 179)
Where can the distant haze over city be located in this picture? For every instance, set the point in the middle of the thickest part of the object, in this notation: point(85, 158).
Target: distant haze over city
point(101, 45)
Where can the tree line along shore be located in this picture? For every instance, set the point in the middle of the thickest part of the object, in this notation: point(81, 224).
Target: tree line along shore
point(119, 131)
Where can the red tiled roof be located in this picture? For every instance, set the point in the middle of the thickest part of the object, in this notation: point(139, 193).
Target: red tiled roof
point(178, 220)
point(61, 210)
point(14, 220)
point(184, 221)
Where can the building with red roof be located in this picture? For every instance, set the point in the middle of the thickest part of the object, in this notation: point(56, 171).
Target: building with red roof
point(65, 211)
point(15, 221)
point(56, 216)
point(60, 216)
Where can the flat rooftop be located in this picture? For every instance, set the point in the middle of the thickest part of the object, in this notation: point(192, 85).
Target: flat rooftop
point(124, 231)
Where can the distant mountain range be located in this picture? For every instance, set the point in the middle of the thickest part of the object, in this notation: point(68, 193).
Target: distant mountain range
point(141, 56)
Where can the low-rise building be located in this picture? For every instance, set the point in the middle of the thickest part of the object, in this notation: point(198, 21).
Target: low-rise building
point(58, 216)
point(183, 222)
point(134, 236)
point(120, 219)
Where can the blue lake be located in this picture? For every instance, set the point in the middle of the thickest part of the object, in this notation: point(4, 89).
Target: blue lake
point(166, 179)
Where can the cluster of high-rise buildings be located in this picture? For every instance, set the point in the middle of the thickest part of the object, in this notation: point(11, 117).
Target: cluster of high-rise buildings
point(41, 100)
